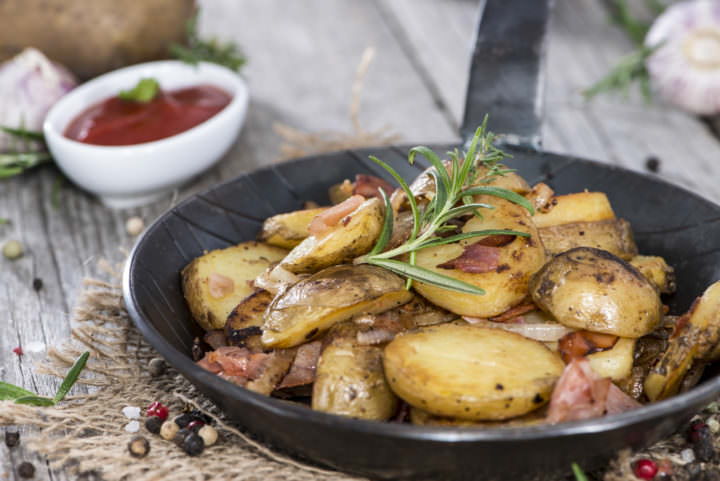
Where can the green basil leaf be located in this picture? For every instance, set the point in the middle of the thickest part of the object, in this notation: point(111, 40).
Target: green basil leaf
point(145, 90)
point(71, 377)
point(427, 276)
point(35, 401)
point(10, 391)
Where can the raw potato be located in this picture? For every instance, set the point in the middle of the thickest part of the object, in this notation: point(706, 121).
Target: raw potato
point(508, 284)
point(696, 339)
point(471, 373)
point(591, 289)
point(353, 236)
point(241, 263)
point(288, 230)
point(612, 235)
point(657, 270)
point(350, 379)
point(579, 207)
point(615, 363)
point(332, 295)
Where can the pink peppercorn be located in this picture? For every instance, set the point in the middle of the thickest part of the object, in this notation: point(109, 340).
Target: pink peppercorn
point(157, 409)
point(645, 469)
point(18, 350)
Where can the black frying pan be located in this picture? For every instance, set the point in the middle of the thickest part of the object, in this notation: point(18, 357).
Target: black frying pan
point(667, 220)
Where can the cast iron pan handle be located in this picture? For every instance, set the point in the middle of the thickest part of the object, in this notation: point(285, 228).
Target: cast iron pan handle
point(506, 71)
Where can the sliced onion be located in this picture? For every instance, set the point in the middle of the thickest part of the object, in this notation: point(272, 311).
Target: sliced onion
point(275, 279)
point(374, 337)
point(541, 331)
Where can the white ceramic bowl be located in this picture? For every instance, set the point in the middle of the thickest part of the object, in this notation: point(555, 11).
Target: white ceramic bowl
point(126, 176)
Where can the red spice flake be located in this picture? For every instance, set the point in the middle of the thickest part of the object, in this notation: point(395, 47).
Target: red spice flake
point(18, 350)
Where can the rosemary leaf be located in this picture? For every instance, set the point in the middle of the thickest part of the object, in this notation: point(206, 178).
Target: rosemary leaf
point(71, 377)
point(435, 161)
point(387, 227)
point(578, 472)
point(463, 209)
point(198, 50)
point(502, 193)
point(23, 133)
point(629, 69)
point(425, 275)
point(10, 391)
point(34, 400)
point(466, 235)
point(406, 189)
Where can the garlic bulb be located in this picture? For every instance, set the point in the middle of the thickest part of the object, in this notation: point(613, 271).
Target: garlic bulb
point(685, 68)
point(29, 85)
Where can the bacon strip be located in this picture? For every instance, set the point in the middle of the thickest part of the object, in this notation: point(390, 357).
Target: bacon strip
point(235, 361)
point(583, 343)
point(475, 259)
point(330, 217)
point(219, 285)
point(369, 185)
point(302, 370)
point(513, 313)
point(496, 240)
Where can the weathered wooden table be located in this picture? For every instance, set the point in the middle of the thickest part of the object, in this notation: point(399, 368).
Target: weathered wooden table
point(303, 58)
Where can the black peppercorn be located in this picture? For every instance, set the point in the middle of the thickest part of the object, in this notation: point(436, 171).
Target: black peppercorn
point(198, 415)
point(153, 424)
point(652, 164)
point(37, 284)
point(12, 438)
point(196, 351)
point(180, 436)
point(139, 447)
point(157, 367)
point(193, 444)
point(26, 470)
point(183, 420)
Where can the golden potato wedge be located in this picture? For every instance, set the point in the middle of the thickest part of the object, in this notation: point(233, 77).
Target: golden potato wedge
point(333, 295)
point(350, 379)
point(240, 263)
point(340, 192)
point(695, 338)
point(424, 418)
point(578, 207)
point(616, 362)
point(657, 270)
point(288, 230)
point(351, 237)
point(244, 324)
point(612, 235)
point(592, 289)
point(506, 286)
point(471, 373)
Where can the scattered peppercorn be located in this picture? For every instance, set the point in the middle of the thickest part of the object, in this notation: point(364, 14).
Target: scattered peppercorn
point(208, 434)
point(703, 447)
point(645, 469)
point(168, 430)
point(183, 420)
point(695, 430)
point(12, 438)
point(153, 424)
point(26, 470)
point(196, 351)
point(157, 366)
point(193, 444)
point(134, 225)
point(180, 436)
point(18, 350)
point(198, 415)
point(159, 410)
point(652, 164)
point(37, 284)
point(139, 447)
point(13, 250)
point(195, 426)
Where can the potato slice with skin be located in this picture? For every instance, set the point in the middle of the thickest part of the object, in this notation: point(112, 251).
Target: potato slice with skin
point(353, 236)
point(350, 379)
point(592, 289)
point(657, 270)
point(578, 207)
point(241, 263)
point(612, 235)
point(471, 373)
point(290, 229)
point(616, 362)
point(333, 295)
point(696, 337)
point(508, 284)
point(424, 418)
point(244, 324)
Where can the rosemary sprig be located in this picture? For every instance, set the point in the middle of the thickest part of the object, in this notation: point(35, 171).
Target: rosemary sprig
point(14, 163)
point(630, 69)
point(197, 50)
point(454, 191)
point(578, 472)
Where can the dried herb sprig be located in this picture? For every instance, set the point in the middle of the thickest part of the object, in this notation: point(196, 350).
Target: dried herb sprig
point(14, 163)
point(23, 396)
point(630, 69)
point(198, 50)
point(454, 191)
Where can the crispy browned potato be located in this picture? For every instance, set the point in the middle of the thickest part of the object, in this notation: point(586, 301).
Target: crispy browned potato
point(657, 270)
point(471, 373)
point(592, 289)
point(694, 338)
point(350, 379)
point(505, 286)
point(333, 295)
point(241, 264)
point(579, 207)
point(342, 243)
point(612, 235)
point(288, 230)
point(244, 324)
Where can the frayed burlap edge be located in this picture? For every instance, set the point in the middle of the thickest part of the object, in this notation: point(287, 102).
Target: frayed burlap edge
point(86, 433)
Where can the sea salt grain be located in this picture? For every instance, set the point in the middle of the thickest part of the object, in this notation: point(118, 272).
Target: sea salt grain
point(131, 412)
point(134, 426)
point(687, 455)
point(35, 346)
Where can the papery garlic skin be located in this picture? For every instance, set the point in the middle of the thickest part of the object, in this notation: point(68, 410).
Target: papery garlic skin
point(685, 68)
point(29, 85)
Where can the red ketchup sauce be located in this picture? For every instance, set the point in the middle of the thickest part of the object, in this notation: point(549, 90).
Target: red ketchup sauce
point(122, 122)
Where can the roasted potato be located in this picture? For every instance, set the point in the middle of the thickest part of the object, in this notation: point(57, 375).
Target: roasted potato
point(350, 379)
point(288, 230)
point(592, 289)
point(333, 295)
point(612, 235)
point(237, 266)
point(657, 270)
point(244, 324)
point(505, 286)
point(424, 418)
point(351, 237)
point(471, 373)
point(695, 338)
point(616, 362)
point(579, 207)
